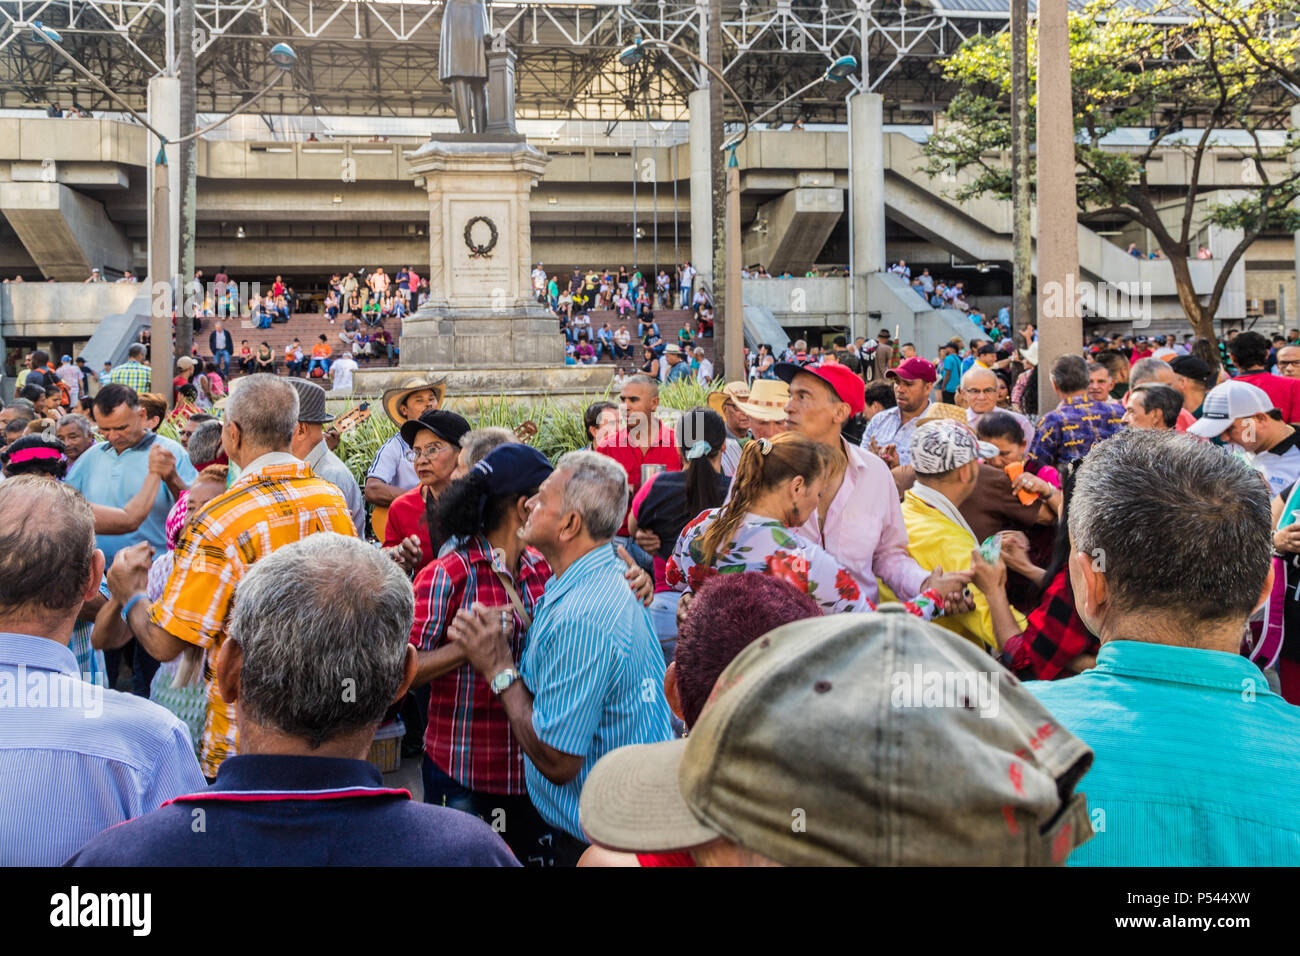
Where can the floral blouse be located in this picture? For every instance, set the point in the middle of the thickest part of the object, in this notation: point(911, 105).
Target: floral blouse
point(766, 545)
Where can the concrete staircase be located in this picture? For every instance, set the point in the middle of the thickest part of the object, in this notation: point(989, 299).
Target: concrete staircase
point(307, 327)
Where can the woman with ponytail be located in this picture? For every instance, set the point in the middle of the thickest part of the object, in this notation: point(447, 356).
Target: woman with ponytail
point(472, 761)
point(776, 488)
point(670, 499)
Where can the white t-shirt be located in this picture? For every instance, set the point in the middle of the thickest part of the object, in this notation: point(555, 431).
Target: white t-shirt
point(705, 373)
point(341, 371)
point(1280, 465)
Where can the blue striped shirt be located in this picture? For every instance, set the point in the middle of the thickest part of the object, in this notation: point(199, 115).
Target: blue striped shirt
point(76, 758)
point(1197, 761)
point(596, 673)
point(105, 477)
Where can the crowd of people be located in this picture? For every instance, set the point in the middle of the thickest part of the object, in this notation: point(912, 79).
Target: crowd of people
point(618, 657)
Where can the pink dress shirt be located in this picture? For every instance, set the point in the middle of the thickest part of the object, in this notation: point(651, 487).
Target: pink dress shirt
point(865, 530)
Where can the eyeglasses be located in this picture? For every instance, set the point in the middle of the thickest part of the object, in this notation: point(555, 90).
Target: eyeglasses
point(1282, 364)
point(428, 451)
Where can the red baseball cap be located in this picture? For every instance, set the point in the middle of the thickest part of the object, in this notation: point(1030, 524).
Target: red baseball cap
point(914, 369)
point(850, 389)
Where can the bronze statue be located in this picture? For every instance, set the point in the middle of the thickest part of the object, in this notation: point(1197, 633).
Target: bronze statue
point(462, 61)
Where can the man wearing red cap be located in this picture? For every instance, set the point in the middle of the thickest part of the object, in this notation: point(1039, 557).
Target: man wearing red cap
point(890, 431)
point(858, 518)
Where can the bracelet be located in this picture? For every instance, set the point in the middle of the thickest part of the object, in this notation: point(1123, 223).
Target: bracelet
point(126, 608)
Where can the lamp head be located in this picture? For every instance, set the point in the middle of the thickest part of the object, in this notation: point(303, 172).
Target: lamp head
point(282, 55)
point(631, 55)
point(44, 33)
point(841, 68)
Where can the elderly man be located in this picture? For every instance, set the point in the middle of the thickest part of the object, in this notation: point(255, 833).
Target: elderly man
point(1071, 429)
point(1187, 734)
point(190, 425)
point(768, 758)
point(591, 676)
point(303, 750)
point(275, 501)
point(1151, 405)
point(79, 757)
point(724, 403)
point(764, 406)
point(679, 370)
point(889, 433)
point(1244, 415)
point(309, 445)
point(1099, 382)
point(1155, 371)
point(857, 518)
point(392, 473)
point(205, 446)
point(946, 458)
point(77, 434)
point(1288, 361)
point(980, 387)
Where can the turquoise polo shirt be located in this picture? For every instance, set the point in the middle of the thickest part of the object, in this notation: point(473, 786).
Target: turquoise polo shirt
point(1197, 761)
point(106, 478)
point(594, 667)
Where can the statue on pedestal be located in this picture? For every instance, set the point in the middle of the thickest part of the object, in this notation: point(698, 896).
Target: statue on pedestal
point(462, 61)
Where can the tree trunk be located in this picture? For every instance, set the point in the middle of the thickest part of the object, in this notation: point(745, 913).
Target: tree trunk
point(1201, 318)
point(188, 152)
point(1022, 281)
point(721, 323)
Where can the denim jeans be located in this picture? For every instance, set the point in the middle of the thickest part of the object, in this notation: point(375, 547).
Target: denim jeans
point(324, 363)
point(663, 615)
point(222, 359)
point(532, 840)
point(643, 560)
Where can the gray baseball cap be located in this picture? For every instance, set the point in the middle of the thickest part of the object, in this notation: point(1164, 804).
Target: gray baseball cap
point(311, 402)
point(855, 739)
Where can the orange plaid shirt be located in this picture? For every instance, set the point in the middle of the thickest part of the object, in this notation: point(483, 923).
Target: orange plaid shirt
point(262, 511)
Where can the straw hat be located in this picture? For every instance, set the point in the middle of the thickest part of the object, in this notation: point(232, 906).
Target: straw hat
point(395, 396)
point(767, 400)
point(942, 411)
point(735, 391)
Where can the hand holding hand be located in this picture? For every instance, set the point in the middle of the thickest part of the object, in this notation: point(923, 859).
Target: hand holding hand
point(161, 462)
point(129, 573)
point(407, 552)
point(642, 584)
point(480, 633)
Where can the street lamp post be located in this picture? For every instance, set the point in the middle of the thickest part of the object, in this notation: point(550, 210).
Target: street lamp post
point(160, 269)
point(733, 359)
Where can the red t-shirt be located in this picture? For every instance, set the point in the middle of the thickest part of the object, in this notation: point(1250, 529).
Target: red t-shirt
point(662, 455)
point(406, 517)
point(1285, 392)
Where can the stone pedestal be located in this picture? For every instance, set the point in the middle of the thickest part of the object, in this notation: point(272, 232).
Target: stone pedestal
point(481, 316)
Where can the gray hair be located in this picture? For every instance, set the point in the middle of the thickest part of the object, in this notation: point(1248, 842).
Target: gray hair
point(597, 490)
point(1146, 370)
point(1159, 397)
point(41, 571)
point(323, 652)
point(80, 422)
point(977, 371)
point(136, 351)
point(646, 380)
point(265, 407)
point(1070, 374)
point(480, 441)
point(1213, 568)
point(205, 443)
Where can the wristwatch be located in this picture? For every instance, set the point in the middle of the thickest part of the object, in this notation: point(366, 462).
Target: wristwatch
point(503, 680)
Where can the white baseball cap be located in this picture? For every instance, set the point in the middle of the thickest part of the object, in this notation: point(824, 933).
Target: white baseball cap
point(1226, 403)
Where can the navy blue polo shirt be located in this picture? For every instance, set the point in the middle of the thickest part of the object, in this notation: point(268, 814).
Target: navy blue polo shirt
point(267, 810)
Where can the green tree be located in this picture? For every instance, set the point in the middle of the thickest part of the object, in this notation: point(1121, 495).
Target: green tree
point(1188, 79)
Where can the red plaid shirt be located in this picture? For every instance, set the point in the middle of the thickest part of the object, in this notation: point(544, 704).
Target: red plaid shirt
point(1054, 635)
point(469, 735)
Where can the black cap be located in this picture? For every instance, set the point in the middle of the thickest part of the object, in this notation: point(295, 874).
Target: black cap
point(446, 425)
point(1189, 366)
